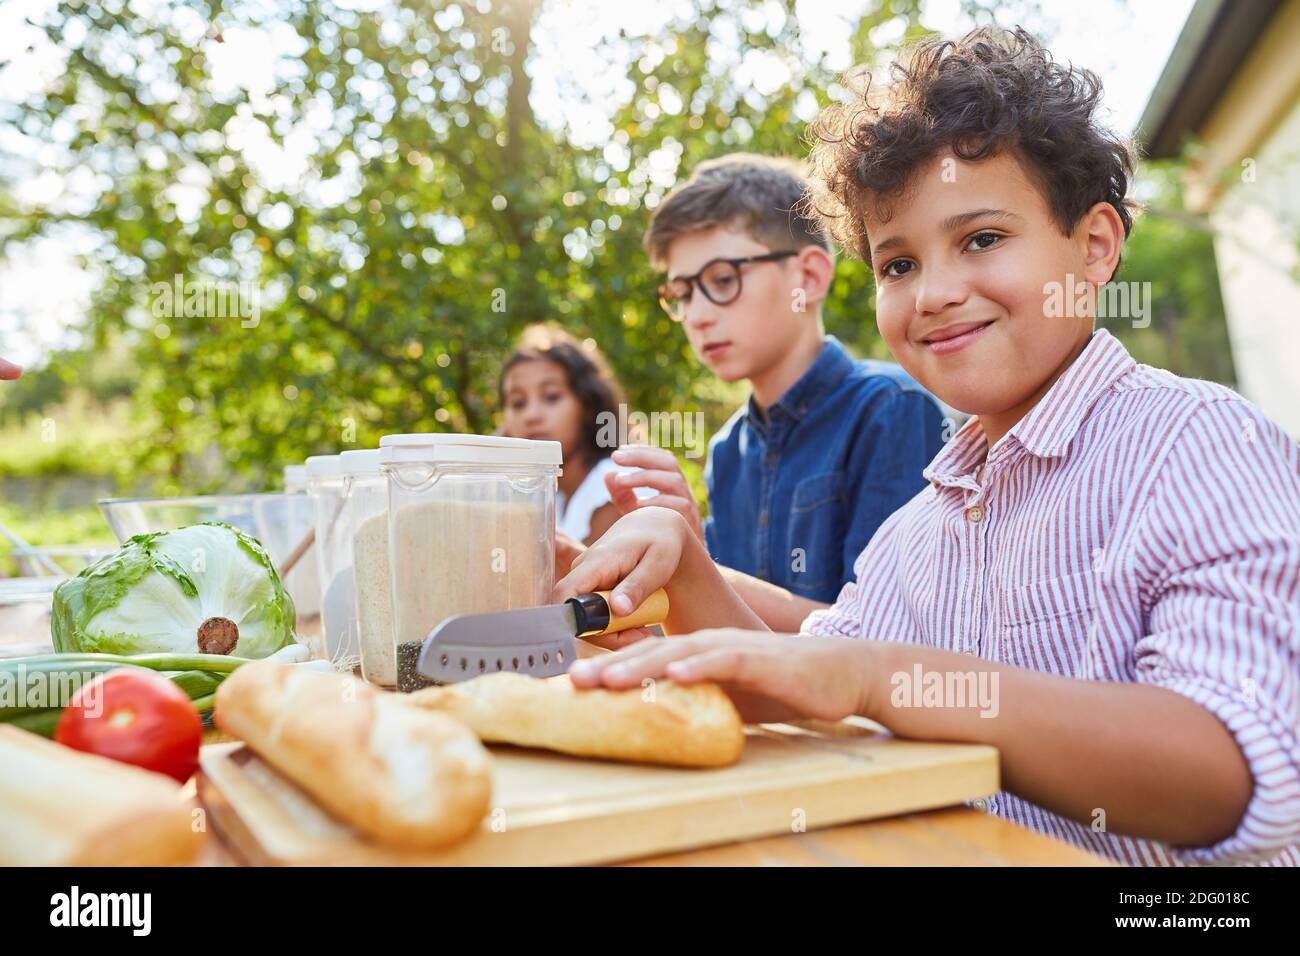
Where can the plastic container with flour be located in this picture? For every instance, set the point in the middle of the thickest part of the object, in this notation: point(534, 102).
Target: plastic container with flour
point(471, 529)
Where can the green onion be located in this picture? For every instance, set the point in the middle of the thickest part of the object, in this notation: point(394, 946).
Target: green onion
point(219, 663)
point(198, 675)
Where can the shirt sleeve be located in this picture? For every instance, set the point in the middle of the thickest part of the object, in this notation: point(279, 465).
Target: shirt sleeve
point(1224, 630)
point(872, 604)
point(903, 434)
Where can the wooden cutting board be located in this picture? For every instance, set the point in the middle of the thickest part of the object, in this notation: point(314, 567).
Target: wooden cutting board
point(550, 809)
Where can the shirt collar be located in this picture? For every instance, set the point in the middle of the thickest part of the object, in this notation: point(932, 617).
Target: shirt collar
point(832, 365)
point(1048, 429)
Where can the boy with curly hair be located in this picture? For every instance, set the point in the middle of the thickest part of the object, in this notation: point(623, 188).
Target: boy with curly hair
point(1112, 550)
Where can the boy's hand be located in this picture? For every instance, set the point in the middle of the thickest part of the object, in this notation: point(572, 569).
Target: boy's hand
point(638, 555)
point(660, 471)
point(769, 677)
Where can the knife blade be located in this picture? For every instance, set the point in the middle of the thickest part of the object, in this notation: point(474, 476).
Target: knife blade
point(537, 641)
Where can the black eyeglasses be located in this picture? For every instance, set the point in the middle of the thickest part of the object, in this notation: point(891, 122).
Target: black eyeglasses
point(719, 280)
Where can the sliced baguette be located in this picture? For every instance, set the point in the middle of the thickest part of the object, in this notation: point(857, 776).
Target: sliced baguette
point(398, 774)
point(692, 725)
point(62, 807)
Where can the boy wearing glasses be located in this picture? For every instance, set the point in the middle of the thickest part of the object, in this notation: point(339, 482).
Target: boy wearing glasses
point(827, 446)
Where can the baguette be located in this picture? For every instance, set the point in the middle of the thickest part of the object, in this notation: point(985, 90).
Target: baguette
point(396, 773)
point(693, 725)
point(62, 807)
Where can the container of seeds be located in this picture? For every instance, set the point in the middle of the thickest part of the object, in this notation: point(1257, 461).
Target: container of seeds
point(471, 529)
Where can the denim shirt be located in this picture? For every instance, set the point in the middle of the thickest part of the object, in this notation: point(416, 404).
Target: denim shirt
point(795, 499)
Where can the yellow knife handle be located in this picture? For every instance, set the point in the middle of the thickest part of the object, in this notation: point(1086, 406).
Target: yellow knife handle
point(596, 616)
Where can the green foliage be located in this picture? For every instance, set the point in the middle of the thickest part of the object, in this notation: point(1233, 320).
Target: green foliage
point(1173, 251)
point(435, 218)
point(73, 438)
point(455, 218)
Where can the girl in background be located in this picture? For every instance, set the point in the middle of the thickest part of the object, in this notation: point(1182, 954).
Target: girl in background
point(552, 388)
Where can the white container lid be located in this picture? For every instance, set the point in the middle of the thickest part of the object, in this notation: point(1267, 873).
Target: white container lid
point(363, 462)
point(433, 448)
point(322, 466)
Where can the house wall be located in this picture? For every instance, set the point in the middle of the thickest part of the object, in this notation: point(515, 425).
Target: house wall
point(1257, 245)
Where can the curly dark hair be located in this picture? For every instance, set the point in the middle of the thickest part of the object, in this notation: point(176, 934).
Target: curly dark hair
point(990, 92)
point(589, 377)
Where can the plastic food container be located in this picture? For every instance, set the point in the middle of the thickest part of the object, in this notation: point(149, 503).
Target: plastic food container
point(295, 478)
point(303, 580)
point(471, 529)
point(333, 561)
point(364, 521)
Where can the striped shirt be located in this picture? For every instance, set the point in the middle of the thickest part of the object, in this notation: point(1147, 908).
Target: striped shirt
point(1133, 526)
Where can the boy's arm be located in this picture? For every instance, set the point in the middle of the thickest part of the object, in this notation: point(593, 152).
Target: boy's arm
point(1141, 760)
point(779, 609)
point(1156, 763)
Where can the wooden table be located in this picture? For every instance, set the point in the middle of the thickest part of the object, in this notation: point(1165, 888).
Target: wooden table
point(953, 836)
point(956, 836)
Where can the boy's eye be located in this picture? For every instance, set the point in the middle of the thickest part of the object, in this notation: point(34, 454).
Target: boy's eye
point(897, 268)
point(720, 285)
point(984, 240)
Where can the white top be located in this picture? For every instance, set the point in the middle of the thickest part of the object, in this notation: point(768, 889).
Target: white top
point(322, 466)
point(360, 462)
point(473, 449)
point(573, 515)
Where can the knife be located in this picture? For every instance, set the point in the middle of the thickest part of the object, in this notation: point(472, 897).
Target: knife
point(538, 641)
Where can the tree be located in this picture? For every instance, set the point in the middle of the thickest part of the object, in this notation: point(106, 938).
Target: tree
point(431, 215)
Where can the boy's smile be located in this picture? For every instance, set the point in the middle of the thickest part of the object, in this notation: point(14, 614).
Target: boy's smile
point(963, 265)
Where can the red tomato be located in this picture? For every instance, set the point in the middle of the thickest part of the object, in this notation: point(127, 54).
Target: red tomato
point(135, 716)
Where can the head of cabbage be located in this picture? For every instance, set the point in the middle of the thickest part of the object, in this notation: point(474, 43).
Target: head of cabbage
point(158, 591)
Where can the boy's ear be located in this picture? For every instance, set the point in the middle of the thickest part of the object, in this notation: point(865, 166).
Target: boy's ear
point(1103, 234)
point(817, 269)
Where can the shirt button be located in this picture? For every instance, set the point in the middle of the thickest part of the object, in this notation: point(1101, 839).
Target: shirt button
point(975, 515)
point(771, 458)
point(981, 805)
point(762, 519)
